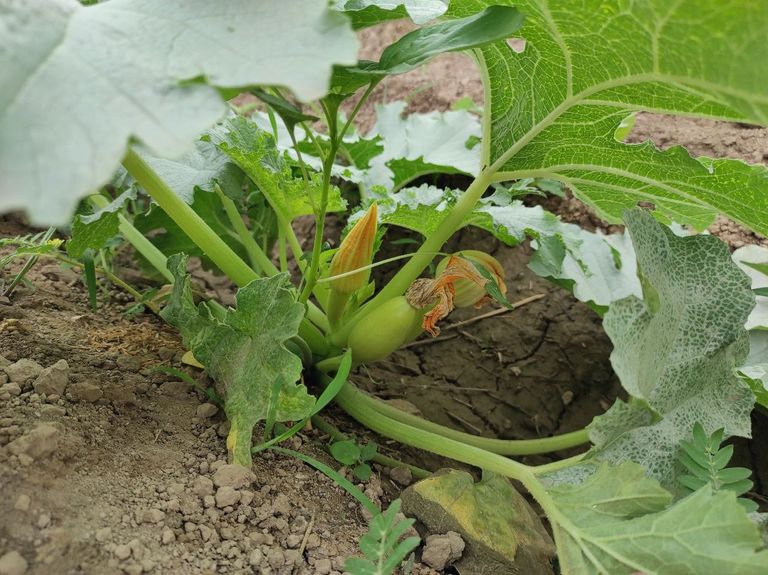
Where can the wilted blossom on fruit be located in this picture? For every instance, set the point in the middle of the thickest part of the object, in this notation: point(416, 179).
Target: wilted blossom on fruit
point(355, 252)
point(467, 292)
point(440, 292)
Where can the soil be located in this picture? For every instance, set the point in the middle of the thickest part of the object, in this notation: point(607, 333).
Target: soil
point(115, 474)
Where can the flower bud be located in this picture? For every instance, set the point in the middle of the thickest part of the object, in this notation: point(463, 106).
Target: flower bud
point(469, 293)
point(355, 251)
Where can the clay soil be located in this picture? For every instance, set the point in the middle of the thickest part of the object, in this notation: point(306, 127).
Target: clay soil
point(118, 469)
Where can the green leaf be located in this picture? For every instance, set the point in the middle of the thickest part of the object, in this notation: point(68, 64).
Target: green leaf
point(346, 452)
point(95, 230)
point(479, 28)
point(752, 260)
point(244, 352)
point(370, 12)
point(290, 114)
point(368, 451)
point(381, 545)
point(618, 522)
point(676, 359)
point(362, 471)
point(255, 152)
point(137, 60)
point(555, 107)
point(199, 168)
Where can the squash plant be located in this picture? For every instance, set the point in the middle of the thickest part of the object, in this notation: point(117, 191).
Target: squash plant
point(141, 86)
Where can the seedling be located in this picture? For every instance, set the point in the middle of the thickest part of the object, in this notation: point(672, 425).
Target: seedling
point(556, 108)
point(355, 456)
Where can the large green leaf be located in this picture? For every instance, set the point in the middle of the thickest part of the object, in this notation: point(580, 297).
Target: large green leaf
point(244, 351)
point(254, 150)
point(750, 259)
point(617, 522)
point(79, 82)
point(554, 108)
point(676, 351)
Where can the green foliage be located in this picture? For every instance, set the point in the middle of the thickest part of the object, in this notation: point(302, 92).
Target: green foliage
point(93, 231)
point(552, 110)
point(706, 461)
point(370, 12)
point(355, 456)
point(675, 354)
point(382, 547)
point(254, 151)
point(243, 350)
point(619, 521)
point(134, 81)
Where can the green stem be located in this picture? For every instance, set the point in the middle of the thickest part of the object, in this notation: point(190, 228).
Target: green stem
point(337, 435)
point(282, 249)
point(198, 231)
point(259, 259)
point(189, 221)
point(147, 249)
point(423, 256)
point(516, 447)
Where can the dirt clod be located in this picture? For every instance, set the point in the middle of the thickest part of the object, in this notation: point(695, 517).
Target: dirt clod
point(85, 391)
point(442, 550)
point(206, 411)
point(235, 476)
point(38, 443)
point(12, 563)
point(53, 380)
point(23, 371)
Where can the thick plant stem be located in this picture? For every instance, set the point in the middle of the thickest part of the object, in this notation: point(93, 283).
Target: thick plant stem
point(411, 270)
point(517, 447)
point(188, 220)
point(198, 231)
point(142, 245)
point(258, 258)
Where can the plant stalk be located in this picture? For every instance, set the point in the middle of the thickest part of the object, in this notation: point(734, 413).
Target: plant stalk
point(423, 256)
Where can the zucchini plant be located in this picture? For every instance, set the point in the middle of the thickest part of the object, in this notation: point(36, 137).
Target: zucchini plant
point(119, 109)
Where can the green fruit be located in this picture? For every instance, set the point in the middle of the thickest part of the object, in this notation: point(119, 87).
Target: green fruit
point(384, 330)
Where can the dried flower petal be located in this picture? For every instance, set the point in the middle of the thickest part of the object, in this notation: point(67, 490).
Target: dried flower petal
point(440, 291)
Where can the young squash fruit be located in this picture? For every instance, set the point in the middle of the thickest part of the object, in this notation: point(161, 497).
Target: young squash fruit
point(386, 328)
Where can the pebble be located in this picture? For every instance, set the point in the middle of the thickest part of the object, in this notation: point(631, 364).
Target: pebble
point(122, 552)
point(168, 536)
point(442, 550)
point(11, 389)
point(202, 486)
point(52, 411)
point(150, 516)
point(323, 566)
point(256, 557)
point(44, 521)
point(235, 476)
point(226, 496)
point(276, 557)
point(12, 563)
point(85, 391)
point(22, 503)
point(206, 411)
point(103, 534)
point(401, 476)
point(53, 380)
point(23, 370)
point(38, 443)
